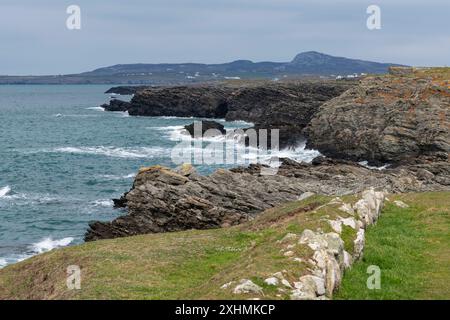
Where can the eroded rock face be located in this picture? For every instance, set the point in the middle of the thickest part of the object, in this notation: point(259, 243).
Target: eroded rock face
point(184, 101)
point(163, 200)
point(385, 119)
point(286, 106)
point(214, 128)
point(116, 105)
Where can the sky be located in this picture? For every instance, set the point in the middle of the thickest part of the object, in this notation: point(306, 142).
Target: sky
point(34, 38)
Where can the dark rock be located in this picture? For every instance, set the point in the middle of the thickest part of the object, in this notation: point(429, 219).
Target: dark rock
point(126, 90)
point(116, 105)
point(205, 125)
point(200, 101)
point(163, 200)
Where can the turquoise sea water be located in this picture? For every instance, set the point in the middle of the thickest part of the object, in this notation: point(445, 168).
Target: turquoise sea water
point(62, 160)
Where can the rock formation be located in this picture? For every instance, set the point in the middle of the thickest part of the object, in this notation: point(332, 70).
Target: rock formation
point(163, 200)
point(286, 106)
point(214, 127)
point(385, 119)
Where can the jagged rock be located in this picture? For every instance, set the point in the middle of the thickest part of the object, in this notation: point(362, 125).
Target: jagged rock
point(211, 128)
point(247, 286)
point(116, 105)
point(163, 200)
point(385, 119)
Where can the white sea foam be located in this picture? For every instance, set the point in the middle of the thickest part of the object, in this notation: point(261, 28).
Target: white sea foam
point(116, 177)
point(103, 203)
point(4, 191)
point(3, 263)
point(138, 152)
point(49, 244)
point(96, 108)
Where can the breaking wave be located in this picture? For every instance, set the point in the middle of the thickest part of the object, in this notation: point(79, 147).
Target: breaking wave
point(138, 152)
point(49, 244)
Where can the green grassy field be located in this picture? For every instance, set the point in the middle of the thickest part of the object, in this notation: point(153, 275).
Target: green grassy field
point(410, 246)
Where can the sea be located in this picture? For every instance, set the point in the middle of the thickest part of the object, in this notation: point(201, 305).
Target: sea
point(63, 158)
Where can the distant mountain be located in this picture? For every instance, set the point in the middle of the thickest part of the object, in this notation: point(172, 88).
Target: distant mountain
point(309, 63)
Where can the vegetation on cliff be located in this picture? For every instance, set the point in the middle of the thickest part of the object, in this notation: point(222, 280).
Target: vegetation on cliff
point(409, 244)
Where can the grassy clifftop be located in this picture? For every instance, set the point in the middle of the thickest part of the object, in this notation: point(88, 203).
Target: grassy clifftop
point(410, 245)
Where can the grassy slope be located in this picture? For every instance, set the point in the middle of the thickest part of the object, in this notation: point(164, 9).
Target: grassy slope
point(412, 248)
point(194, 264)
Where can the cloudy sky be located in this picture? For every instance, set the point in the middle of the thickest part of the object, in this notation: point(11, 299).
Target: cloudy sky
point(34, 38)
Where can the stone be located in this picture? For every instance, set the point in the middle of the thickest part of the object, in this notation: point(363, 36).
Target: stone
point(336, 225)
point(272, 281)
point(286, 283)
point(401, 204)
point(247, 286)
point(316, 283)
point(359, 244)
point(346, 207)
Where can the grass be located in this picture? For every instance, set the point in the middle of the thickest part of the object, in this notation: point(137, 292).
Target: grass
point(411, 247)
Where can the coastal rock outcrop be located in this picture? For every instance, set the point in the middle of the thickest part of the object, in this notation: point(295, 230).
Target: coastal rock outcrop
point(211, 128)
point(116, 105)
point(164, 200)
point(385, 119)
point(181, 101)
point(286, 106)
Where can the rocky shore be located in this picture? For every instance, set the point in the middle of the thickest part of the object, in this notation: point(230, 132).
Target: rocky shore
point(287, 106)
point(401, 119)
point(164, 200)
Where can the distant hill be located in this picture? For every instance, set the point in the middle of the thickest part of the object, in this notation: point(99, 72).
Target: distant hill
point(305, 64)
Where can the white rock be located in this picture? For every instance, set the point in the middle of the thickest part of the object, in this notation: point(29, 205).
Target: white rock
point(359, 244)
point(286, 283)
point(333, 276)
point(336, 225)
point(401, 204)
point(298, 294)
point(347, 260)
point(349, 222)
point(272, 281)
point(247, 286)
point(226, 285)
point(279, 275)
point(316, 283)
point(346, 207)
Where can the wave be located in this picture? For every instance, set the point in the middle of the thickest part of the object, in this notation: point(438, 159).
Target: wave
point(117, 177)
point(96, 108)
point(103, 203)
point(4, 191)
point(138, 152)
point(49, 244)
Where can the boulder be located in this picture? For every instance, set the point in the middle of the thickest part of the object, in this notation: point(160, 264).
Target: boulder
point(211, 128)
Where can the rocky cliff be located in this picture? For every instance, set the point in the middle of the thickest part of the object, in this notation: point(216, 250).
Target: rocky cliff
point(287, 106)
point(163, 200)
point(386, 119)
